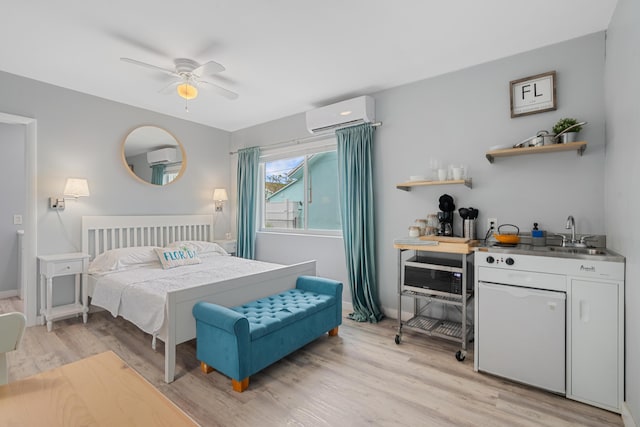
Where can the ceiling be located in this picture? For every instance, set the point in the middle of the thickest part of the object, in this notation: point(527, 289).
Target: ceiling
point(281, 56)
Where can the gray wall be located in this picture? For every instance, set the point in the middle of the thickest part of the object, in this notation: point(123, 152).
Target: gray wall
point(81, 136)
point(456, 118)
point(12, 192)
point(623, 174)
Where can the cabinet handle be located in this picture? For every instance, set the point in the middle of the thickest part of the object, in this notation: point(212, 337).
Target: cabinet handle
point(584, 311)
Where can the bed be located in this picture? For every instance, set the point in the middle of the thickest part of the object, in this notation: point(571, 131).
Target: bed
point(248, 280)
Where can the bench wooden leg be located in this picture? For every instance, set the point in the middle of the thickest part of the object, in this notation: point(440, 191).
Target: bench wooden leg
point(205, 368)
point(240, 386)
point(333, 332)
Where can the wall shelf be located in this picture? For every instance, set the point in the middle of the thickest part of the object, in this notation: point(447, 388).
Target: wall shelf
point(578, 146)
point(406, 186)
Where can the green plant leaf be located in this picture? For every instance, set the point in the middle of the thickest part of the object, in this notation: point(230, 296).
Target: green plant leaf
point(565, 123)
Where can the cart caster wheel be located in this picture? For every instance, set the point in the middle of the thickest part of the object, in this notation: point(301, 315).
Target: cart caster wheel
point(397, 339)
point(460, 356)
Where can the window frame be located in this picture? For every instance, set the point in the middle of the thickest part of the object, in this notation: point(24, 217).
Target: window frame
point(323, 144)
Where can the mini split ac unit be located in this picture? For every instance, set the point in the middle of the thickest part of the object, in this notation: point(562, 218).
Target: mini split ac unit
point(342, 114)
point(164, 155)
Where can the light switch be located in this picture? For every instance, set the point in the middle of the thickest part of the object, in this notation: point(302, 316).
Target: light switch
point(17, 220)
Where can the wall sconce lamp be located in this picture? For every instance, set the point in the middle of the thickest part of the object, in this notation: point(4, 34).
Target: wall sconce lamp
point(74, 188)
point(219, 197)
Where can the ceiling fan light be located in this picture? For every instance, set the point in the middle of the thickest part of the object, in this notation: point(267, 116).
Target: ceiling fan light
point(187, 91)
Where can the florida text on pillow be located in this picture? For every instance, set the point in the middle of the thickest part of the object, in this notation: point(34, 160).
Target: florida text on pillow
point(175, 257)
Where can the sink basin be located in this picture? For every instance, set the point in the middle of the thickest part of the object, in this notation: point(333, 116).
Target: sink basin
point(580, 251)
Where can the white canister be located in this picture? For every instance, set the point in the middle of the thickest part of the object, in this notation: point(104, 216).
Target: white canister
point(422, 225)
point(414, 231)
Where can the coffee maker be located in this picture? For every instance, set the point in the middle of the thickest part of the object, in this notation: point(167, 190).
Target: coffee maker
point(445, 216)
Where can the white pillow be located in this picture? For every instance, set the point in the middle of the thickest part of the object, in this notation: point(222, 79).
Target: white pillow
point(123, 258)
point(175, 257)
point(201, 247)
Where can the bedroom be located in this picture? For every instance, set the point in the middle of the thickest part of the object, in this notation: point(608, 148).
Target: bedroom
point(80, 135)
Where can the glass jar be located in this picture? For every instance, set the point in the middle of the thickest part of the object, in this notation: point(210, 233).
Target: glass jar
point(422, 225)
point(432, 220)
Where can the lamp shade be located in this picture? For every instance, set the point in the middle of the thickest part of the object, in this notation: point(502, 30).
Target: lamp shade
point(76, 187)
point(220, 194)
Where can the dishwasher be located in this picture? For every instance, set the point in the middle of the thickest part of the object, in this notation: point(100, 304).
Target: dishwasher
point(521, 323)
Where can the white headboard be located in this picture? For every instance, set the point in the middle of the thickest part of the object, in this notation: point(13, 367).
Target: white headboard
point(102, 233)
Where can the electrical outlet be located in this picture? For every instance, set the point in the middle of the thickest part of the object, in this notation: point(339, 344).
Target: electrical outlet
point(492, 223)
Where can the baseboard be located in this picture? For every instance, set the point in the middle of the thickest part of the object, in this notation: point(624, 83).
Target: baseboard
point(8, 294)
point(348, 306)
point(627, 418)
point(391, 313)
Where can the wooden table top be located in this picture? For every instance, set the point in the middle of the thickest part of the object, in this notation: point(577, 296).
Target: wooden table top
point(446, 246)
point(101, 390)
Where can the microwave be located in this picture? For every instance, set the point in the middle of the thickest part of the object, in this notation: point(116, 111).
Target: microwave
point(427, 275)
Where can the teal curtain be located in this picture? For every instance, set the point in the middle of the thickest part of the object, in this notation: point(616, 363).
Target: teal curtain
point(157, 174)
point(355, 172)
point(248, 162)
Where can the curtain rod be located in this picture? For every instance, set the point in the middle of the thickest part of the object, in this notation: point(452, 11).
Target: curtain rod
point(305, 139)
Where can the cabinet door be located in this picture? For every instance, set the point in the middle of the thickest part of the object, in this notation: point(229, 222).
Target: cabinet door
point(595, 342)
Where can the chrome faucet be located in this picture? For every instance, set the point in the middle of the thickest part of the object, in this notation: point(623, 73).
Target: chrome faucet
point(571, 224)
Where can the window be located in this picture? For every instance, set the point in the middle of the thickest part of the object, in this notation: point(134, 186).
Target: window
point(171, 172)
point(300, 189)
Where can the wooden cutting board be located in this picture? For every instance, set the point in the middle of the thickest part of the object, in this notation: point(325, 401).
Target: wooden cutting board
point(446, 239)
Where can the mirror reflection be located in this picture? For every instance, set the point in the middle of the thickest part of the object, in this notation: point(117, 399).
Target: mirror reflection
point(153, 155)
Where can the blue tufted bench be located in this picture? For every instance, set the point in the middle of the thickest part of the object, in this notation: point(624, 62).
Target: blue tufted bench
point(243, 340)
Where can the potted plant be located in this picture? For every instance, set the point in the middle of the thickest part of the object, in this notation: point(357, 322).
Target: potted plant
point(561, 127)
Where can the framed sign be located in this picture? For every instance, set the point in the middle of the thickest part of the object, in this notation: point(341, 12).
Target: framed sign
point(534, 94)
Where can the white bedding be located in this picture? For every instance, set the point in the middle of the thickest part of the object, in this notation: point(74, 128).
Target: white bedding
point(139, 294)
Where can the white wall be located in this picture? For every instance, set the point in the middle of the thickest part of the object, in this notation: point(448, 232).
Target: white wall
point(81, 136)
point(623, 174)
point(12, 190)
point(456, 118)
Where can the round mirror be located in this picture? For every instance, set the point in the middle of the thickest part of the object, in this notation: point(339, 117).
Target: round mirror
point(153, 155)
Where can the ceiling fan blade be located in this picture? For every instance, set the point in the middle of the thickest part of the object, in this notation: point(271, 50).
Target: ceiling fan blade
point(209, 68)
point(153, 67)
point(219, 89)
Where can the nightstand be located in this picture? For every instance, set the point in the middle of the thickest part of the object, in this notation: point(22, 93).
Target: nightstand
point(52, 266)
point(227, 245)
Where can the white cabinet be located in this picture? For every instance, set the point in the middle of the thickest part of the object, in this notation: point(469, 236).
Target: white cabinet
point(595, 342)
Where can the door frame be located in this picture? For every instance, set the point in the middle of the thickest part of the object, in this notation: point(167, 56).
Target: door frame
point(28, 275)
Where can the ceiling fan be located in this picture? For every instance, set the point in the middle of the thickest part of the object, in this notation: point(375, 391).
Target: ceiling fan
point(188, 77)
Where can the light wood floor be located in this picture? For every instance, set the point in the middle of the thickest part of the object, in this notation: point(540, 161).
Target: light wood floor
point(361, 377)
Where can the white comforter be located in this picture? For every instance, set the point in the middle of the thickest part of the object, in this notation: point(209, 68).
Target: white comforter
point(139, 294)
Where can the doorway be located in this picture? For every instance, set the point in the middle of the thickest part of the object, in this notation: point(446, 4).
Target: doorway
point(13, 194)
point(28, 273)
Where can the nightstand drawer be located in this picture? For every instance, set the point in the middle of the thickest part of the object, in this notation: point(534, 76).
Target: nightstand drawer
point(67, 267)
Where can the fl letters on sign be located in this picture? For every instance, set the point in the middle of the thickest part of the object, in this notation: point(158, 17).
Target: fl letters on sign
point(534, 94)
